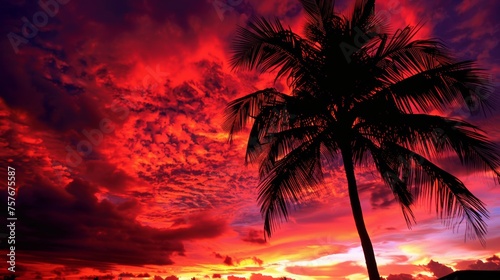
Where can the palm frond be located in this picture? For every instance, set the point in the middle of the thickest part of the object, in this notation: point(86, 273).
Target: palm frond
point(319, 11)
point(389, 166)
point(271, 120)
point(239, 111)
point(452, 200)
point(288, 181)
point(433, 136)
point(472, 147)
point(426, 86)
point(401, 44)
point(373, 97)
point(284, 142)
point(268, 46)
point(363, 10)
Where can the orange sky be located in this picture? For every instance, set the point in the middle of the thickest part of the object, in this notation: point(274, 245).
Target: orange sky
point(111, 115)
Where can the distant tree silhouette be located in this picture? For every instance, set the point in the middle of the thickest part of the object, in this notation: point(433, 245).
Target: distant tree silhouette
point(368, 96)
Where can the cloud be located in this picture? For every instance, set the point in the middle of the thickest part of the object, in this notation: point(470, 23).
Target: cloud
point(65, 271)
point(88, 228)
point(259, 276)
point(108, 175)
point(92, 277)
point(491, 263)
point(401, 276)
point(438, 269)
point(258, 261)
point(381, 196)
point(217, 255)
point(228, 261)
point(164, 188)
point(405, 276)
point(338, 270)
point(465, 5)
point(254, 236)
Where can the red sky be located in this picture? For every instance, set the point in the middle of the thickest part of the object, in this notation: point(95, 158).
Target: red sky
point(158, 192)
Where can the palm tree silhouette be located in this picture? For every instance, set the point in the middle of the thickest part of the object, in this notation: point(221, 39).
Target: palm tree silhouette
point(366, 95)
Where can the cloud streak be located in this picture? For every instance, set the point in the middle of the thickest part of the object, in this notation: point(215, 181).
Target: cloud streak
point(112, 114)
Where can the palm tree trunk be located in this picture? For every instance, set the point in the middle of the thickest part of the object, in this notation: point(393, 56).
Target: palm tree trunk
point(357, 212)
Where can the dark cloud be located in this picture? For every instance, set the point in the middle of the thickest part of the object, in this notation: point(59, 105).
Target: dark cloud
point(132, 275)
point(438, 269)
point(491, 263)
point(337, 270)
point(108, 175)
point(93, 277)
point(228, 261)
point(379, 193)
point(257, 261)
point(65, 271)
point(98, 233)
point(381, 196)
point(217, 255)
point(259, 276)
point(254, 236)
point(401, 276)
point(48, 103)
point(405, 276)
point(232, 261)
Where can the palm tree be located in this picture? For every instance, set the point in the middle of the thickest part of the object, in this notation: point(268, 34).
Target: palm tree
point(367, 96)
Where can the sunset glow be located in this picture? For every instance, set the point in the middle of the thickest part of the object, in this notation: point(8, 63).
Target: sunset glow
point(111, 116)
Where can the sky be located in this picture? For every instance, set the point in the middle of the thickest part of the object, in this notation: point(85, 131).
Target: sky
point(111, 112)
